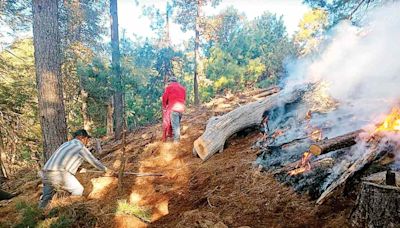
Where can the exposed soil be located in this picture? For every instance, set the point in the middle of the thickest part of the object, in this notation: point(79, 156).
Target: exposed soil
point(226, 191)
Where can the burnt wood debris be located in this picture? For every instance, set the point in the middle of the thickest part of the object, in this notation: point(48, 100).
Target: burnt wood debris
point(313, 157)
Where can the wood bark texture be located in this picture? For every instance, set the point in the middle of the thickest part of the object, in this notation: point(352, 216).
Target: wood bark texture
point(335, 143)
point(377, 206)
point(367, 157)
point(196, 54)
point(110, 120)
point(48, 74)
point(116, 69)
point(220, 128)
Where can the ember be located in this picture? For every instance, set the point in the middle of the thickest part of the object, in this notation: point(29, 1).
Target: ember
point(304, 164)
point(316, 135)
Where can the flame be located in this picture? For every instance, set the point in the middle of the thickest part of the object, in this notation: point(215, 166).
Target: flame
point(391, 122)
point(305, 164)
point(316, 135)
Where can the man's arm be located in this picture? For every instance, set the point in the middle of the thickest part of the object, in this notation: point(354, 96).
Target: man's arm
point(85, 153)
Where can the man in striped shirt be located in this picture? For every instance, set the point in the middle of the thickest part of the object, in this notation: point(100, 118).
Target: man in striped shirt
point(59, 171)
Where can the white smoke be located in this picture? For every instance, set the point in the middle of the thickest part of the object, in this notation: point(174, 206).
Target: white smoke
point(361, 66)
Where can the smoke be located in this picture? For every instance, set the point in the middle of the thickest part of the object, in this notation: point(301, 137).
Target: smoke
point(360, 66)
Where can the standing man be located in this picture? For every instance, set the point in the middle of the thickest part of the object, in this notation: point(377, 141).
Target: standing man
point(173, 105)
point(59, 171)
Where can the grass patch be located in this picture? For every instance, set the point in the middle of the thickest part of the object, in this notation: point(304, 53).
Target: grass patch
point(30, 214)
point(125, 208)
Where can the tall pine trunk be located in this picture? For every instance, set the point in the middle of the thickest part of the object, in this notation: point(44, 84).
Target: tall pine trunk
point(196, 54)
point(116, 69)
point(110, 121)
point(48, 74)
point(87, 121)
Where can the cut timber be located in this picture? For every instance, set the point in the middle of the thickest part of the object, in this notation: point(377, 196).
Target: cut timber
point(367, 157)
point(220, 128)
point(377, 206)
point(336, 143)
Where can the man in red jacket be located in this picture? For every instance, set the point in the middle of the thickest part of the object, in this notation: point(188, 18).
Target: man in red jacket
point(173, 104)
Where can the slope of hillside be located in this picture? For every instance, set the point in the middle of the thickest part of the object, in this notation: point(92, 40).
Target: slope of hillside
point(226, 191)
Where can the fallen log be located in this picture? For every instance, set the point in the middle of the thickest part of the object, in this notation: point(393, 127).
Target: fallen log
point(220, 128)
point(377, 206)
point(367, 157)
point(335, 143)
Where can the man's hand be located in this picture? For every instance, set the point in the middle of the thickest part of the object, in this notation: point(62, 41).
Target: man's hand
point(109, 172)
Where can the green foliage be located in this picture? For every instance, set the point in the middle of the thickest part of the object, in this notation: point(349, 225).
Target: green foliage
point(15, 15)
point(246, 53)
point(19, 123)
point(126, 208)
point(345, 9)
point(30, 214)
point(311, 30)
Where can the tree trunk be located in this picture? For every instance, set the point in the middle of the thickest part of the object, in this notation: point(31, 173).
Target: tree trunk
point(87, 122)
point(116, 69)
point(220, 128)
point(48, 74)
point(377, 206)
point(3, 170)
point(196, 55)
point(336, 143)
point(110, 121)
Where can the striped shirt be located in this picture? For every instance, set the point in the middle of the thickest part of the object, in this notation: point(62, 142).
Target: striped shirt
point(69, 156)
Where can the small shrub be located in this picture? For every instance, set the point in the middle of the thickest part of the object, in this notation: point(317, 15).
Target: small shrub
point(31, 214)
point(126, 208)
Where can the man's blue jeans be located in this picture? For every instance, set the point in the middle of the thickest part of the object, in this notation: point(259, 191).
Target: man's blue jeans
point(176, 125)
point(53, 180)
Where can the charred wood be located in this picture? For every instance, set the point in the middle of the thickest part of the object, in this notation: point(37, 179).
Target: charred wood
point(375, 150)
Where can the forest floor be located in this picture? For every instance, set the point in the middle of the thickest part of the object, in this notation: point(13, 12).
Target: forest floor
point(228, 190)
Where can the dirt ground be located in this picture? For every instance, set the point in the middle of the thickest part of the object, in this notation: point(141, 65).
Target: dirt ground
point(228, 190)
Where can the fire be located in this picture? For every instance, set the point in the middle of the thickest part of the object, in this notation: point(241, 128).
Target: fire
point(316, 135)
point(304, 164)
point(391, 122)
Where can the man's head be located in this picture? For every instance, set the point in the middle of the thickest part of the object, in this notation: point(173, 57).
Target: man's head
point(82, 135)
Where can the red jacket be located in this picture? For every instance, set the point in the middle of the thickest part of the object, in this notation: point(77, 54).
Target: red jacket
point(174, 97)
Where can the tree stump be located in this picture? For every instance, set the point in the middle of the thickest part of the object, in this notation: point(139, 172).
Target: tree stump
point(377, 206)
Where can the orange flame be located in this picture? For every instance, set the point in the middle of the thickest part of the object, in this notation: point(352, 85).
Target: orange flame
point(316, 135)
point(305, 164)
point(391, 122)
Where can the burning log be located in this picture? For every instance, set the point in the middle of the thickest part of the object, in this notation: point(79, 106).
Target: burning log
point(367, 157)
point(377, 206)
point(336, 143)
point(220, 128)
